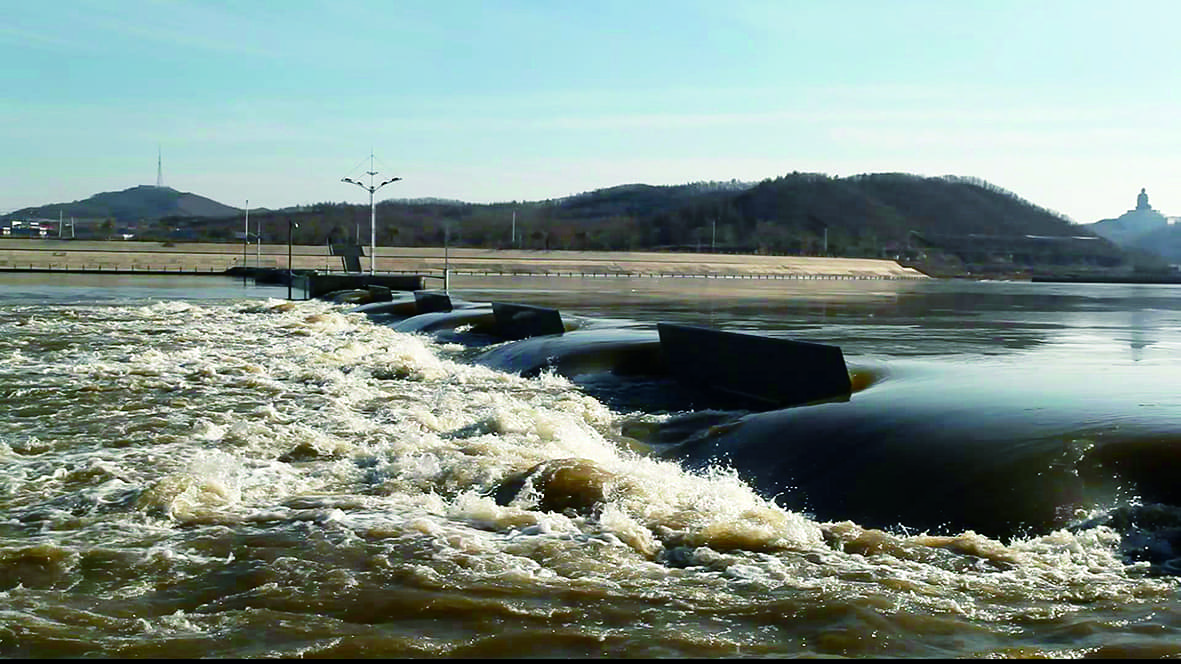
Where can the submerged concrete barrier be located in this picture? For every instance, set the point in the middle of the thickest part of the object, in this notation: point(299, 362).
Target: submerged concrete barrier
point(521, 321)
point(427, 302)
point(320, 284)
point(479, 321)
point(378, 293)
point(403, 308)
point(777, 372)
point(616, 351)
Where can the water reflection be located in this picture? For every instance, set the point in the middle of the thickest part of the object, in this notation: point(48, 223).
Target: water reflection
point(1140, 335)
point(40, 288)
point(1077, 323)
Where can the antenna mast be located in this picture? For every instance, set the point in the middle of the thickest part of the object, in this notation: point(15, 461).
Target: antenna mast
point(159, 167)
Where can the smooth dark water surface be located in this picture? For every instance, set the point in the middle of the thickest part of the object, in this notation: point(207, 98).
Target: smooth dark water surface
point(194, 467)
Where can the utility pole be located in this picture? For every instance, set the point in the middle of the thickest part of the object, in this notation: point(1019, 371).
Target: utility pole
point(512, 239)
point(61, 225)
point(291, 226)
point(447, 256)
point(246, 237)
point(371, 188)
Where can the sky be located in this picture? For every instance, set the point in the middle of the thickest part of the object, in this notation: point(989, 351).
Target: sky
point(1073, 105)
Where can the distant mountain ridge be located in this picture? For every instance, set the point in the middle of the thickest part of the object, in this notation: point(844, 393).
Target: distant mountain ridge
point(964, 223)
point(140, 203)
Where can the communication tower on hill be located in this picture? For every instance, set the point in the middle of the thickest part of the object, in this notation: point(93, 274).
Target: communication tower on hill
point(159, 167)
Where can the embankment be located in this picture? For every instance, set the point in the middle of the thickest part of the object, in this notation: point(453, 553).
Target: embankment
point(73, 255)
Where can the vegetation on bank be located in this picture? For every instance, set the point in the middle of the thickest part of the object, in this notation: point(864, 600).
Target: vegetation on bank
point(886, 215)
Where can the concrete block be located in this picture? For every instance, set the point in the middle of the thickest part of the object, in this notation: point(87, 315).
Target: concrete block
point(379, 293)
point(776, 372)
point(429, 303)
point(521, 321)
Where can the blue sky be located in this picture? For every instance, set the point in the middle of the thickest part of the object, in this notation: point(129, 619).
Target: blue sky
point(1074, 105)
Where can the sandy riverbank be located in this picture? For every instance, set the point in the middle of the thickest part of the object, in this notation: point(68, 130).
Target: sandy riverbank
point(199, 257)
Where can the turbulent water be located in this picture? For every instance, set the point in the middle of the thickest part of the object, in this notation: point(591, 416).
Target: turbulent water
point(199, 468)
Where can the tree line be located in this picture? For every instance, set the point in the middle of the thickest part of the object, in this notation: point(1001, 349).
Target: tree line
point(870, 215)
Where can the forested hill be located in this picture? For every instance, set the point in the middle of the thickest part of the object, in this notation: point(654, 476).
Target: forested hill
point(866, 215)
point(886, 215)
point(644, 200)
point(860, 213)
point(144, 202)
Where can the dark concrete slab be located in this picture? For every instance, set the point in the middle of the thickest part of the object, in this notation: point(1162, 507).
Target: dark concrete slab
point(521, 321)
point(319, 284)
point(430, 302)
point(777, 372)
point(379, 293)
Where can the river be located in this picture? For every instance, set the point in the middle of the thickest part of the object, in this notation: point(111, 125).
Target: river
point(194, 467)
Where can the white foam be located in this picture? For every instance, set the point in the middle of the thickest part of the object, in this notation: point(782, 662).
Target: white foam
point(391, 440)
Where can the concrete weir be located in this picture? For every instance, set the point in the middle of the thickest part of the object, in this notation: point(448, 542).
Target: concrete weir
point(769, 371)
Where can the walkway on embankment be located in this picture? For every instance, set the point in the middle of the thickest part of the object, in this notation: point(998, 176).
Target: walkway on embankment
point(205, 258)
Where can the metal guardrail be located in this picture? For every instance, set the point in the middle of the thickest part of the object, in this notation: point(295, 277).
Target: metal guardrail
point(111, 269)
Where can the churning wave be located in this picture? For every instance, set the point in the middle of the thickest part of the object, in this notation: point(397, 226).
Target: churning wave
point(151, 428)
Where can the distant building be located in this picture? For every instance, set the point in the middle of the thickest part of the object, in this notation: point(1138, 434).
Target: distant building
point(29, 228)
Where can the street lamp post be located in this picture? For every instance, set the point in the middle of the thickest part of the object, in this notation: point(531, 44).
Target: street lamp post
point(371, 188)
point(245, 241)
point(246, 235)
point(447, 256)
point(291, 226)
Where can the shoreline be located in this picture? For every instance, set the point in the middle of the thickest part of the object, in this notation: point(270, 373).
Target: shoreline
point(53, 255)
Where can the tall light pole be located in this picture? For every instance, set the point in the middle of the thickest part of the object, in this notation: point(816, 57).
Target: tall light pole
point(371, 188)
point(246, 234)
point(245, 241)
point(447, 256)
point(291, 226)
